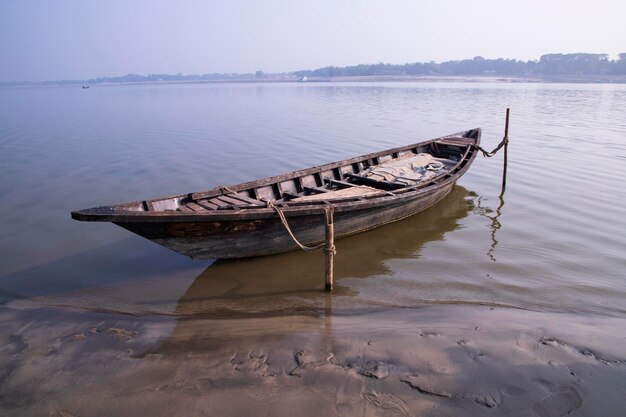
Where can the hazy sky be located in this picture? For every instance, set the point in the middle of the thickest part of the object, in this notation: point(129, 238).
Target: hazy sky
point(80, 39)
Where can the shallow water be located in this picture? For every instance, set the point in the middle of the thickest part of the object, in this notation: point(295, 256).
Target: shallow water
point(553, 242)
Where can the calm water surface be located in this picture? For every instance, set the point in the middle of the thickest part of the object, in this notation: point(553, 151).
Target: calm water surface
point(555, 241)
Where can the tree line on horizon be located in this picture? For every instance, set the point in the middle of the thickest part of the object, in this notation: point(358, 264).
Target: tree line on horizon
point(550, 65)
point(547, 65)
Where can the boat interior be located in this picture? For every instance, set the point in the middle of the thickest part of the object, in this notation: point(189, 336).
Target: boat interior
point(369, 176)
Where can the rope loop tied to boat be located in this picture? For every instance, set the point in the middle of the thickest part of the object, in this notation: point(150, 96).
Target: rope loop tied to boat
point(226, 190)
point(486, 154)
point(332, 250)
point(283, 219)
point(300, 245)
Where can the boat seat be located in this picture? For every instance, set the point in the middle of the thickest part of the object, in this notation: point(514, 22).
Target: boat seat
point(379, 185)
point(341, 194)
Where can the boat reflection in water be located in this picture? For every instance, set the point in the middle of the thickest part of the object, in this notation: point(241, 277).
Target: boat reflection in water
point(292, 282)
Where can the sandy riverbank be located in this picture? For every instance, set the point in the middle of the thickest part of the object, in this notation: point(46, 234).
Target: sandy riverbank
point(433, 361)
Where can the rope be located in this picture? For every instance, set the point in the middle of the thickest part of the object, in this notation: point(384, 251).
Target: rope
point(504, 141)
point(226, 190)
point(303, 247)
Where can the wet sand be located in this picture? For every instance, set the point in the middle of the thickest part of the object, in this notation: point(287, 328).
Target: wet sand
point(431, 361)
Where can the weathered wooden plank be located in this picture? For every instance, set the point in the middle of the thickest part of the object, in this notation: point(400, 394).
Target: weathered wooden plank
point(248, 200)
point(295, 203)
point(207, 204)
point(196, 207)
point(289, 186)
point(233, 201)
point(341, 194)
point(453, 141)
point(185, 209)
point(221, 204)
point(307, 181)
point(265, 192)
point(228, 201)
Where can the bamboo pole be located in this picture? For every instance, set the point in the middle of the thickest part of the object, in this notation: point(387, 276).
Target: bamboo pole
point(506, 148)
point(329, 249)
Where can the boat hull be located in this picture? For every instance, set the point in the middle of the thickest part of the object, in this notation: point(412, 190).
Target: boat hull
point(239, 238)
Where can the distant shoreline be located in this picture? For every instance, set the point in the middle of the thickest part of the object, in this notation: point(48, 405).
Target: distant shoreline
point(560, 68)
point(563, 79)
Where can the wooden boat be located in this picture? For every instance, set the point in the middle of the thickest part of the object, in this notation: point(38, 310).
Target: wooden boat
point(242, 220)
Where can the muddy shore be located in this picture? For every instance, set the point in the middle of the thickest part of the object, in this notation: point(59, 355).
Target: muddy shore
point(432, 361)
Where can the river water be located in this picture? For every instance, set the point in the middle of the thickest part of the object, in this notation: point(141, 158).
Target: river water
point(555, 241)
point(480, 304)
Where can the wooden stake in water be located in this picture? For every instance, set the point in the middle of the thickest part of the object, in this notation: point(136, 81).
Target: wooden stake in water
point(329, 249)
point(506, 148)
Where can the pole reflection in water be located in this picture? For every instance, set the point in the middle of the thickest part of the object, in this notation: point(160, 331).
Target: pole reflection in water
point(293, 282)
point(328, 324)
point(495, 222)
point(495, 225)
